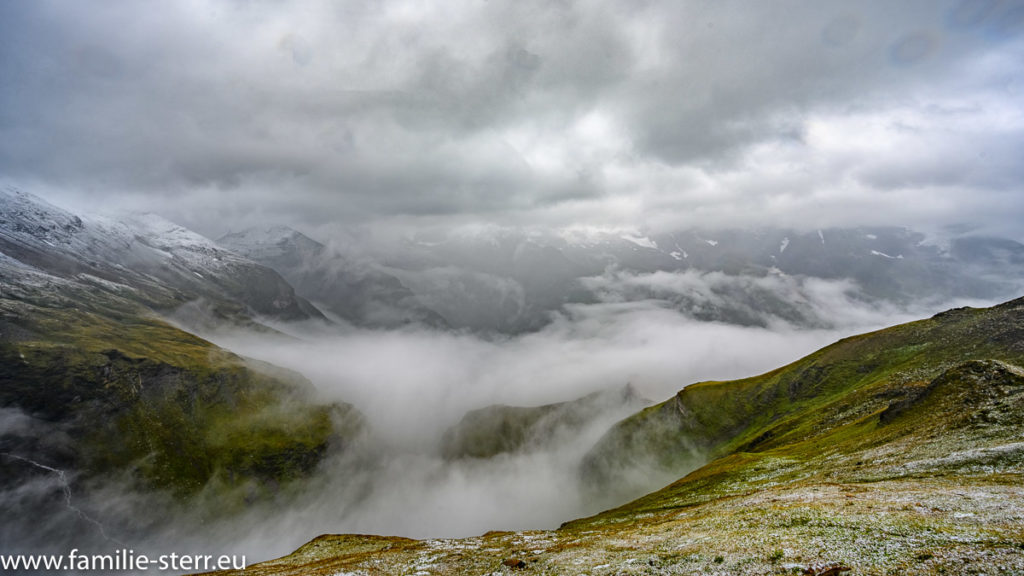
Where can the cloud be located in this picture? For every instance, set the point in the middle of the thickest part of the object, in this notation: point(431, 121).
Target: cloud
point(413, 384)
point(606, 113)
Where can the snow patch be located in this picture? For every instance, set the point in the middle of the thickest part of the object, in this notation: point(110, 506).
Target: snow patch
point(884, 255)
point(783, 244)
point(641, 241)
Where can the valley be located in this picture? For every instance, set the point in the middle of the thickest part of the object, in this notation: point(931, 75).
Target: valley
point(890, 452)
point(193, 378)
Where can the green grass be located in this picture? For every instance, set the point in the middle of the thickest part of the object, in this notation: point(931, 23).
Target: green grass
point(144, 397)
point(833, 391)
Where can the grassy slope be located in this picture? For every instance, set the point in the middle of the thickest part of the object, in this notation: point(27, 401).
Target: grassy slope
point(896, 452)
point(140, 395)
point(497, 429)
point(711, 419)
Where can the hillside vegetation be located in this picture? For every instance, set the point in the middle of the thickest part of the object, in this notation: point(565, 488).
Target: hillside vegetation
point(134, 397)
point(895, 452)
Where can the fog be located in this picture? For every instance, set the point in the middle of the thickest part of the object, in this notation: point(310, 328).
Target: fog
point(414, 383)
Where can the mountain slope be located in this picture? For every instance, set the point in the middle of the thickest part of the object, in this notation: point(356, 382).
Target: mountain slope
point(64, 344)
point(492, 279)
point(897, 451)
point(99, 393)
point(710, 419)
point(497, 429)
point(356, 291)
point(143, 257)
point(95, 387)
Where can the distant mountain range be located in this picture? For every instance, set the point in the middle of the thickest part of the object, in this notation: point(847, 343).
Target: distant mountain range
point(496, 280)
point(512, 281)
point(353, 290)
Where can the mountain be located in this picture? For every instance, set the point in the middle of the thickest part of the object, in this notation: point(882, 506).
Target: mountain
point(897, 451)
point(510, 281)
point(355, 290)
point(143, 257)
point(99, 394)
point(499, 429)
point(746, 277)
point(870, 373)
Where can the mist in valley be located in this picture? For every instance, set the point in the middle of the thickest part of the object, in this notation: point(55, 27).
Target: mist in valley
point(413, 384)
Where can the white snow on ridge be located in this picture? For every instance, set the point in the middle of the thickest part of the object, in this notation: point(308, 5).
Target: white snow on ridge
point(822, 236)
point(135, 242)
point(590, 236)
point(783, 244)
point(261, 243)
point(641, 241)
point(679, 255)
point(884, 255)
point(712, 242)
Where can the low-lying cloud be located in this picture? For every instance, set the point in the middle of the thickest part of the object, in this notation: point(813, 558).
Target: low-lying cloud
point(412, 384)
point(772, 300)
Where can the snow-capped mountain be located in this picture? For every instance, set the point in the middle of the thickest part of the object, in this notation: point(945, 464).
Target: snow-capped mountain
point(503, 280)
point(886, 262)
point(356, 290)
point(508, 280)
point(142, 256)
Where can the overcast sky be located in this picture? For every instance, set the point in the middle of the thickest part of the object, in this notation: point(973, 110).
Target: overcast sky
point(640, 114)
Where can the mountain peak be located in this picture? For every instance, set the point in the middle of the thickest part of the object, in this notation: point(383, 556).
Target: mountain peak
point(29, 215)
point(270, 242)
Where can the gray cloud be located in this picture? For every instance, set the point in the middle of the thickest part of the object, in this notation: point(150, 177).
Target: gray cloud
point(654, 114)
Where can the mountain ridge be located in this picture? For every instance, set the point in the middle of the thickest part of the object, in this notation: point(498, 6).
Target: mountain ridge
point(164, 265)
point(512, 281)
point(98, 389)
